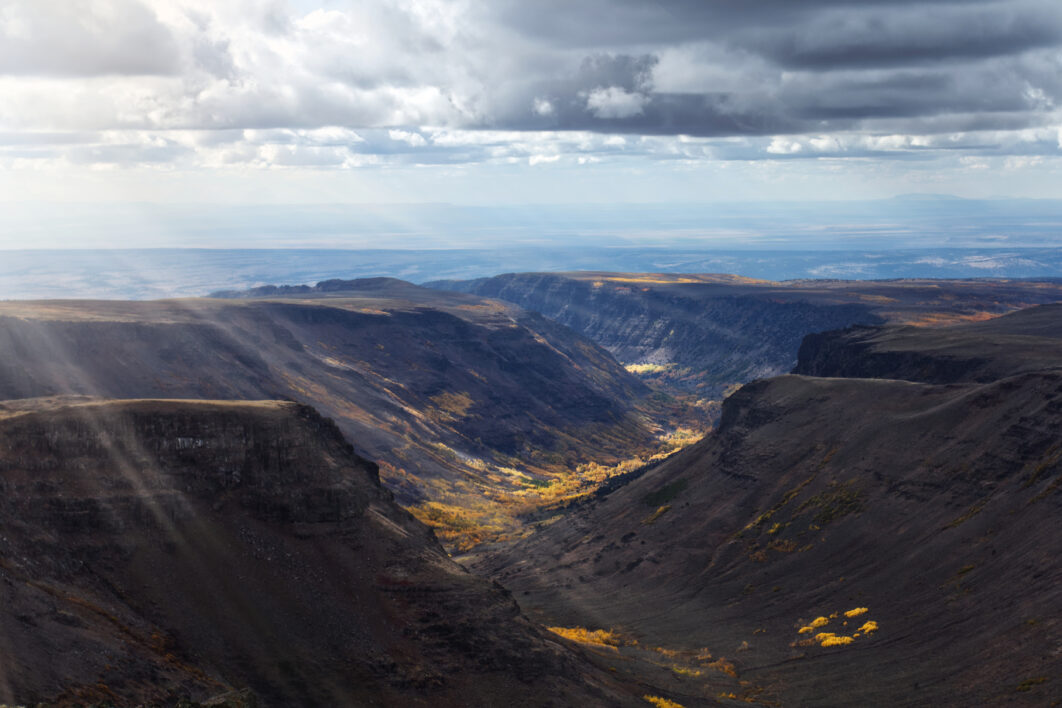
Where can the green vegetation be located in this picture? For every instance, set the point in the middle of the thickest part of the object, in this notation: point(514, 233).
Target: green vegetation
point(652, 518)
point(665, 494)
point(839, 500)
point(788, 497)
point(536, 483)
point(1028, 684)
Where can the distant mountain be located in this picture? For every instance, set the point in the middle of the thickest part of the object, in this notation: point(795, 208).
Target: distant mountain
point(843, 541)
point(864, 252)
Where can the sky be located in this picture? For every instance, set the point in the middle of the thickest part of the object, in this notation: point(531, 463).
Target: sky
point(495, 102)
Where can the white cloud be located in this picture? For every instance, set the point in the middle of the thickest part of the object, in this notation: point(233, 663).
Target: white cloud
point(408, 137)
point(543, 107)
point(615, 102)
point(542, 159)
point(784, 146)
point(254, 83)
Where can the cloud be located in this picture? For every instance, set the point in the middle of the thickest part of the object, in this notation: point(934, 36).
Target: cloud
point(84, 38)
point(615, 102)
point(381, 82)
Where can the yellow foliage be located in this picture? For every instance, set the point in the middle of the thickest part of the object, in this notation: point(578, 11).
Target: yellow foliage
point(832, 640)
point(656, 514)
point(451, 406)
point(815, 624)
point(647, 368)
point(684, 671)
point(856, 612)
point(727, 667)
point(662, 702)
point(869, 626)
point(599, 637)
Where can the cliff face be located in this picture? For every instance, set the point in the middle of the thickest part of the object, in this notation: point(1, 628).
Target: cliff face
point(930, 505)
point(151, 550)
point(1027, 340)
point(702, 336)
point(443, 390)
point(707, 332)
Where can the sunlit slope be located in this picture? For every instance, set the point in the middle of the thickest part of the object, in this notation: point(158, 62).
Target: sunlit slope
point(457, 397)
point(151, 550)
point(707, 332)
point(934, 506)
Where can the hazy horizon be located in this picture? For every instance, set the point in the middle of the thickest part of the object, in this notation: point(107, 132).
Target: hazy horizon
point(142, 123)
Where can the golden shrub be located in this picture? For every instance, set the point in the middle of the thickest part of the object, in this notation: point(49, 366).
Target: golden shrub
point(599, 637)
point(834, 641)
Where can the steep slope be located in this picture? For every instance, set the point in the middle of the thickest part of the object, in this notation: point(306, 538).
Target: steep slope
point(457, 397)
point(1027, 340)
point(707, 332)
point(935, 507)
point(151, 550)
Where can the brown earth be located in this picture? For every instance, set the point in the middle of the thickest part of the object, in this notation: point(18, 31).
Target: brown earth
point(469, 405)
point(153, 550)
point(934, 506)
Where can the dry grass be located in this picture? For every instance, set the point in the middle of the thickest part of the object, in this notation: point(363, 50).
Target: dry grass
point(597, 637)
point(662, 702)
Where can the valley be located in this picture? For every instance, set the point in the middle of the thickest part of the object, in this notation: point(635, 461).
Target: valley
point(240, 554)
point(477, 411)
point(189, 510)
point(923, 503)
point(706, 333)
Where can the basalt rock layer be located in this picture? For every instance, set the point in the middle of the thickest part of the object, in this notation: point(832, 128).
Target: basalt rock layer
point(444, 390)
point(705, 332)
point(157, 550)
point(928, 509)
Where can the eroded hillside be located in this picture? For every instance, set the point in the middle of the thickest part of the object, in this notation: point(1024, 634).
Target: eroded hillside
point(707, 333)
point(475, 410)
point(154, 550)
point(841, 541)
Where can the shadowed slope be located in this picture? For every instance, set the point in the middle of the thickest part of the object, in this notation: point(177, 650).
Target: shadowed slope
point(1026, 340)
point(705, 332)
point(458, 398)
point(156, 549)
point(935, 507)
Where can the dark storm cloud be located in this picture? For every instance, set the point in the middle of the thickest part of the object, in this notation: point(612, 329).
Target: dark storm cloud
point(818, 65)
point(875, 38)
point(305, 82)
point(604, 23)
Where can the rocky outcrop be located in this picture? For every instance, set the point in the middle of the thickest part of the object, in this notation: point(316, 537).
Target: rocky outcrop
point(154, 550)
point(440, 388)
point(701, 336)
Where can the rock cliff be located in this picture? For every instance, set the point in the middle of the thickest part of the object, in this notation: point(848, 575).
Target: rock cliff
point(158, 550)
